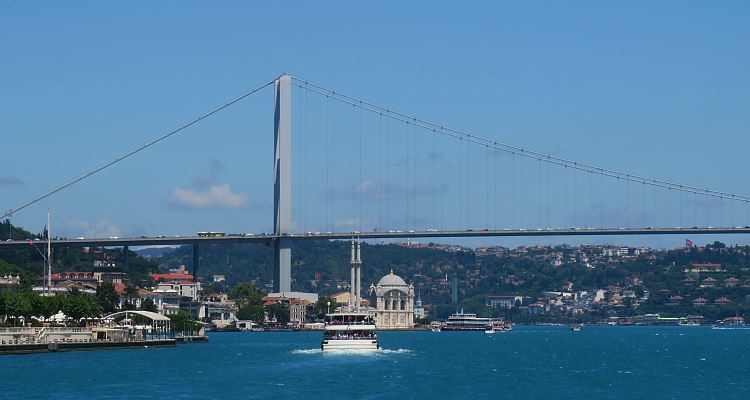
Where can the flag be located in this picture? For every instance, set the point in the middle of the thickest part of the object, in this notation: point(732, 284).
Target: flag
point(31, 242)
point(688, 243)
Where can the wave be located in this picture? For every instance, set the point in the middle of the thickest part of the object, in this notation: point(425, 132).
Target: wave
point(397, 351)
point(307, 351)
point(352, 352)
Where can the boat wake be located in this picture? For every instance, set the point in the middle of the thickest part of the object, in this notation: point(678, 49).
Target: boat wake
point(307, 351)
point(351, 352)
point(397, 351)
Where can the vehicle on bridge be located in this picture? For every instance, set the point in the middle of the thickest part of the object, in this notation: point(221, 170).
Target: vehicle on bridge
point(211, 234)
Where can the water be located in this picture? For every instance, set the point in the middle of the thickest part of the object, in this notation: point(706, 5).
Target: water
point(529, 363)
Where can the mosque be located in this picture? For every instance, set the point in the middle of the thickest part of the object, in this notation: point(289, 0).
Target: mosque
point(395, 303)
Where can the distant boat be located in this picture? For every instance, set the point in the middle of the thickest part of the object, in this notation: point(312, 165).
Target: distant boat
point(461, 321)
point(490, 330)
point(575, 327)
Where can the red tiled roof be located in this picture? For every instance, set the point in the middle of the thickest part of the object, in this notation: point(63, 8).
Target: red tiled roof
point(119, 287)
point(172, 277)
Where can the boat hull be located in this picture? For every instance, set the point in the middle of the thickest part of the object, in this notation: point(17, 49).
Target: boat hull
point(349, 344)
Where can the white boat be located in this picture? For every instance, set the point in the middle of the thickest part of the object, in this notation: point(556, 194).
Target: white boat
point(351, 328)
point(349, 331)
point(575, 328)
point(466, 322)
point(470, 322)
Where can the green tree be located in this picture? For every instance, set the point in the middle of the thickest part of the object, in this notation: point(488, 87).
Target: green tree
point(18, 305)
point(251, 312)
point(280, 312)
point(107, 297)
point(77, 305)
point(322, 305)
point(131, 297)
point(46, 306)
point(183, 322)
point(148, 305)
point(246, 293)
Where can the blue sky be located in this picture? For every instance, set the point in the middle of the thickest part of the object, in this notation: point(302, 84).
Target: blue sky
point(659, 89)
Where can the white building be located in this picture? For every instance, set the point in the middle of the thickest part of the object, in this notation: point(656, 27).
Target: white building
point(395, 303)
point(183, 288)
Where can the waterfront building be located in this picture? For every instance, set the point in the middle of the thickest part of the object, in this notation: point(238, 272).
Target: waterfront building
point(395, 303)
point(9, 283)
point(298, 303)
point(341, 298)
point(722, 301)
point(220, 314)
point(704, 268)
point(184, 288)
point(708, 282)
point(506, 302)
point(731, 282)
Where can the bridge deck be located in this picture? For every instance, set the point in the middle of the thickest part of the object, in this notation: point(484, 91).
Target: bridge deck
point(267, 238)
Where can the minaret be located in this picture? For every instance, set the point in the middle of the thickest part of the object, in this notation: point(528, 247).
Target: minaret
point(358, 266)
point(353, 282)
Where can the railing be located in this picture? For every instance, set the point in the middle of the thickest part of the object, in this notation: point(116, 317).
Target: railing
point(42, 334)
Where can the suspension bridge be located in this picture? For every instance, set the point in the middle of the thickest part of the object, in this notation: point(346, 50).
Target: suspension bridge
point(361, 169)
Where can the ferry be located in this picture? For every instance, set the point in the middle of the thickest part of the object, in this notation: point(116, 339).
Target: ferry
point(461, 321)
point(502, 326)
point(349, 331)
point(470, 322)
point(352, 326)
point(731, 323)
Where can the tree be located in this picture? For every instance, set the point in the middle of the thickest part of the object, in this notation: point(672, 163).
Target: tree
point(280, 312)
point(251, 312)
point(107, 297)
point(18, 305)
point(78, 305)
point(131, 297)
point(246, 293)
point(148, 305)
point(322, 305)
point(183, 322)
point(46, 306)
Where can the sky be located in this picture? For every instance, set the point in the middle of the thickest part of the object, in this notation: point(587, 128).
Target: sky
point(653, 88)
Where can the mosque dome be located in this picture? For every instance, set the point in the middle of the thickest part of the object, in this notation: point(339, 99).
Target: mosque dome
point(392, 280)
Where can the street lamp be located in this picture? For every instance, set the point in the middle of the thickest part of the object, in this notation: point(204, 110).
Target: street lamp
point(328, 303)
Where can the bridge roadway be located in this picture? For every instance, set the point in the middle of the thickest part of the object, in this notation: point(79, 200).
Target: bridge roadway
point(269, 238)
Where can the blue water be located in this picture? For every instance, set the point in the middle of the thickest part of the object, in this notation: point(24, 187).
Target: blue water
point(528, 363)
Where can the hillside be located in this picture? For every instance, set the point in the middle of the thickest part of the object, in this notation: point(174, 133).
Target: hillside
point(651, 277)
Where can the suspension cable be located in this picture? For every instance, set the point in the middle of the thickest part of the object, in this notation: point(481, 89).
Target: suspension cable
point(508, 148)
point(136, 150)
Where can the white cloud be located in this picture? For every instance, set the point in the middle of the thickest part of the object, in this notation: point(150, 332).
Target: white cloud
point(218, 195)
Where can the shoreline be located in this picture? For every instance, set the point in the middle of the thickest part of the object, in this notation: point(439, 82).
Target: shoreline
point(31, 348)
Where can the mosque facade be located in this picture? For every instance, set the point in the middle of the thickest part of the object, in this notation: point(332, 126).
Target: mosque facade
point(395, 303)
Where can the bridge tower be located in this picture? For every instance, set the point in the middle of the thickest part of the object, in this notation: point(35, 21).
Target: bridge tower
point(282, 187)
